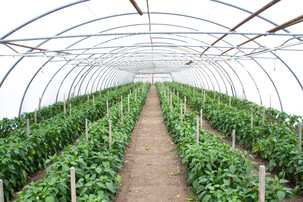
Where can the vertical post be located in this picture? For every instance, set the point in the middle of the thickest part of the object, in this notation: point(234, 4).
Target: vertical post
point(107, 112)
point(136, 96)
point(171, 103)
point(70, 109)
point(184, 104)
point(1, 191)
point(181, 115)
point(128, 103)
point(27, 127)
point(93, 99)
point(100, 92)
point(87, 96)
point(168, 97)
point(234, 139)
point(229, 101)
point(40, 100)
point(35, 116)
point(73, 184)
point(197, 137)
point(194, 91)
point(300, 138)
point(219, 103)
point(121, 111)
point(252, 118)
point(263, 114)
point(64, 105)
point(201, 117)
point(110, 133)
point(215, 95)
point(261, 183)
point(178, 96)
point(204, 98)
point(86, 130)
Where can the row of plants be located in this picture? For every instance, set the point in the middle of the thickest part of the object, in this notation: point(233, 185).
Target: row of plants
point(216, 172)
point(95, 164)
point(274, 142)
point(18, 160)
point(271, 114)
point(21, 133)
point(7, 126)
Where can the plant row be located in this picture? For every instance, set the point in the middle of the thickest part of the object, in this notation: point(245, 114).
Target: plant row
point(271, 114)
point(272, 141)
point(214, 169)
point(96, 164)
point(18, 160)
point(21, 133)
point(7, 126)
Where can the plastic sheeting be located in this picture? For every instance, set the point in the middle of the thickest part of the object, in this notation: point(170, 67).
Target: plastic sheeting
point(82, 46)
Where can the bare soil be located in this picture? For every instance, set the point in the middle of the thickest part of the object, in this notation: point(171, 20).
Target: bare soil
point(152, 169)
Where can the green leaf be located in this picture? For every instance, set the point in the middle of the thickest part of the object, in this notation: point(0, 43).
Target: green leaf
point(98, 170)
point(49, 199)
point(281, 194)
point(232, 169)
point(206, 198)
point(109, 186)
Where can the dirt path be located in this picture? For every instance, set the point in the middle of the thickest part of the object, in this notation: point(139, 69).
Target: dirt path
point(152, 170)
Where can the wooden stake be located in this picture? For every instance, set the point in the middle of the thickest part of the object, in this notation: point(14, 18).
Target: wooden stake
point(300, 138)
point(70, 109)
point(107, 108)
point(121, 111)
point(194, 91)
point(197, 137)
point(261, 183)
point(263, 114)
point(168, 98)
point(27, 127)
point(234, 139)
point(136, 96)
point(64, 105)
point(93, 99)
point(86, 130)
point(215, 95)
point(110, 133)
point(219, 103)
point(252, 118)
point(229, 101)
point(178, 96)
point(1, 191)
point(73, 184)
point(128, 103)
point(181, 115)
point(35, 116)
point(201, 118)
point(87, 96)
point(184, 104)
point(204, 99)
point(40, 100)
point(171, 103)
point(100, 92)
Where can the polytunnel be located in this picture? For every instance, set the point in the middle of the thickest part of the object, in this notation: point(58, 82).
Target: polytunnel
point(53, 51)
point(250, 50)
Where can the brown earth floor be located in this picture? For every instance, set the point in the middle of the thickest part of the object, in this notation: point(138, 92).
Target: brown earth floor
point(152, 170)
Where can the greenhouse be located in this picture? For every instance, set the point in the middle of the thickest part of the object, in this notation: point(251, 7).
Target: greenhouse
point(138, 100)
